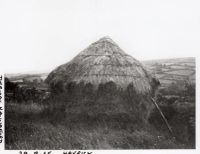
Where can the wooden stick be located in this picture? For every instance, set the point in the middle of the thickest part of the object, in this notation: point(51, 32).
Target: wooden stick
point(162, 115)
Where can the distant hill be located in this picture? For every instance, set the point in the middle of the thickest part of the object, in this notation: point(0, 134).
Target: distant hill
point(18, 77)
point(172, 70)
point(166, 70)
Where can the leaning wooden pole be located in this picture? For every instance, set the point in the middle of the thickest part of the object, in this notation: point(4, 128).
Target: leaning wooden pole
point(162, 115)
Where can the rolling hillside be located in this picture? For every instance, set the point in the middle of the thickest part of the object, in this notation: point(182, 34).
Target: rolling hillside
point(171, 70)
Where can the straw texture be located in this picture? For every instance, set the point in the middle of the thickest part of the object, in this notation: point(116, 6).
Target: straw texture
point(102, 62)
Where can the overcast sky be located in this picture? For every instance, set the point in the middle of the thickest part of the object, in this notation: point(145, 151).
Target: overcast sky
point(38, 35)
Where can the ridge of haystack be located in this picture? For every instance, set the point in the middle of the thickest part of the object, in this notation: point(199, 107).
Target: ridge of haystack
point(103, 46)
point(105, 39)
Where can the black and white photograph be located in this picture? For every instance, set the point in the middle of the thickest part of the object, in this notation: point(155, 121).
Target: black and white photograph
point(99, 74)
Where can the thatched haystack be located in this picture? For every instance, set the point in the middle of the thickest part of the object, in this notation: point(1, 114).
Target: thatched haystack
point(103, 79)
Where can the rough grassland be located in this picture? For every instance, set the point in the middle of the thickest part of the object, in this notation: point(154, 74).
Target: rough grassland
point(31, 126)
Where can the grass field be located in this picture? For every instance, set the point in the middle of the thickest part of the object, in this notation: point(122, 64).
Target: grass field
point(30, 126)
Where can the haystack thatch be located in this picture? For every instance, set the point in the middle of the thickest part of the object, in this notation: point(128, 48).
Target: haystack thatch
point(104, 74)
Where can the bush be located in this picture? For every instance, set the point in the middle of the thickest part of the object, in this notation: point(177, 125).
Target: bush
point(180, 88)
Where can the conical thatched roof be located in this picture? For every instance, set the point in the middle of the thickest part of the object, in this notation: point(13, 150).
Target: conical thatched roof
point(103, 61)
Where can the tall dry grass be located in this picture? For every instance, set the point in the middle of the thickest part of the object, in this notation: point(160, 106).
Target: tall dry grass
point(34, 126)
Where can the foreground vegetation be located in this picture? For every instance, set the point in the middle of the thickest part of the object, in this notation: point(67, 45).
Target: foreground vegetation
point(27, 127)
point(32, 125)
